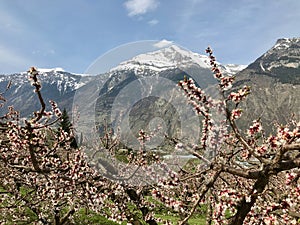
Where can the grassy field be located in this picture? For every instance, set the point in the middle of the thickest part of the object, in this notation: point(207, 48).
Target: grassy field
point(193, 221)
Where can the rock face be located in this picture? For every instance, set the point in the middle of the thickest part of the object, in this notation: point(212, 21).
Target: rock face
point(275, 83)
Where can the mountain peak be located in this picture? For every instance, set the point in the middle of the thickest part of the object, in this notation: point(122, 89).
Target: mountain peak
point(282, 61)
point(171, 57)
point(285, 43)
point(167, 58)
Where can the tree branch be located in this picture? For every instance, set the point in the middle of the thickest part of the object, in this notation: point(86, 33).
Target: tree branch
point(204, 189)
point(33, 75)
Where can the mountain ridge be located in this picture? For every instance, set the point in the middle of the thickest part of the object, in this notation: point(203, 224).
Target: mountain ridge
point(172, 57)
point(57, 83)
point(281, 62)
point(275, 73)
point(274, 78)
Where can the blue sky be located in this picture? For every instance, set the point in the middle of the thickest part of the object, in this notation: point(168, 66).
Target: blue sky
point(73, 33)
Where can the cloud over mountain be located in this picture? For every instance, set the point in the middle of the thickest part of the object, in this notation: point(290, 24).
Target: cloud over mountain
point(139, 7)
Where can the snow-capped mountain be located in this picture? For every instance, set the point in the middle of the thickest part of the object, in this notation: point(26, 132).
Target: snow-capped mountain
point(168, 58)
point(232, 69)
point(274, 77)
point(172, 62)
point(57, 85)
point(64, 81)
point(172, 57)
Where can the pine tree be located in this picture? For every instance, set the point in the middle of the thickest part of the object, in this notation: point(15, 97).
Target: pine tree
point(65, 123)
point(66, 126)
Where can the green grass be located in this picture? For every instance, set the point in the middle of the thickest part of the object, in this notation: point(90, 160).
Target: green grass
point(83, 217)
point(174, 219)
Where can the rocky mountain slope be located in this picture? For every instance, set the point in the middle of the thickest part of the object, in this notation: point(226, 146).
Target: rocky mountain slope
point(281, 62)
point(275, 84)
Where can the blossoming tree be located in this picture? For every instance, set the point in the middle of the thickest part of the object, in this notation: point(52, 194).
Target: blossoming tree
point(249, 178)
point(43, 181)
point(252, 178)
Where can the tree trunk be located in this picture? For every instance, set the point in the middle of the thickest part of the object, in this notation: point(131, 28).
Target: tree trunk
point(244, 206)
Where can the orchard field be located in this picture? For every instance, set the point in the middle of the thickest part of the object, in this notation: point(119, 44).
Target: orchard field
point(251, 178)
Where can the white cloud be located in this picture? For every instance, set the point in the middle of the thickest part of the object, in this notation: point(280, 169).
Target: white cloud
point(139, 7)
point(153, 22)
point(163, 43)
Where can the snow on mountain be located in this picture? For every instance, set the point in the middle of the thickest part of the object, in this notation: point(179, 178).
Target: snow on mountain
point(64, 81)
point(284, 43)
point(170, 58)
point(164, 59)
point(233, 69)
point(44, 70)
point(61, 70)
point(286, 50)
point(57, 85)
point(61, 85)
point(151, 63)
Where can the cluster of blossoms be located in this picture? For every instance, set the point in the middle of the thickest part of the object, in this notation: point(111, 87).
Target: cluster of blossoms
point(203, 106)
point(33, 73)
point(53, 178)
point(143, 137)
point(228, 200)
point(236, 113)
point(284, 135)
point(278, 205)
point(237, 97)
point(225, 82)
point(196, 96)
point(55, 108)
point(254, 128)
point(273, 141)
point(261, 150)
point(290, 177)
